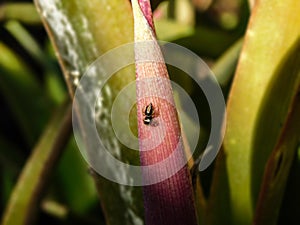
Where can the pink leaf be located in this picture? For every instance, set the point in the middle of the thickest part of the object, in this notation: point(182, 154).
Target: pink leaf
point(168, 195)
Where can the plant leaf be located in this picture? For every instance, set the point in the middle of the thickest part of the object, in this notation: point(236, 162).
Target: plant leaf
point(278, 168)
point(24, 12)
point(263, 89)
point(81, 31)
point(19, 86)
point(162, 206)
point(28, 191)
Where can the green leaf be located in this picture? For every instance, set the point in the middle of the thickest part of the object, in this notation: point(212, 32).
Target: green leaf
point(24, 12)
point(28, 191)
point(263, 89)
point(75, 183)
point(27, 41)
point(19, 88)
point(169, 30)
point(278, 168)
point(81, 31)
point(208, 41)
point(225, 66)
point(218, 205)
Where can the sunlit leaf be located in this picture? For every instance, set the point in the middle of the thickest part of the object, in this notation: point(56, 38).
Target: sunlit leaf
point(81, 31)
point(265, 84)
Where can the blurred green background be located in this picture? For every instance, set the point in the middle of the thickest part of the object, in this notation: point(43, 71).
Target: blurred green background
point(35, 107)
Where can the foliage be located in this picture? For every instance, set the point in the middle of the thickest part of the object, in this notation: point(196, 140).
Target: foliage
point(255, 55)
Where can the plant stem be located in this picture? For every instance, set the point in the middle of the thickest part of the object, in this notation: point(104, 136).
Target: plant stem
point(167, 190)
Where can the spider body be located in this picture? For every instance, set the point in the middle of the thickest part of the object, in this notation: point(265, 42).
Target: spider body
point(149, 114)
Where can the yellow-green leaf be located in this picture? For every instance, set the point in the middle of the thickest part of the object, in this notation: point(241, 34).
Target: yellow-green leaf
point(264, 86)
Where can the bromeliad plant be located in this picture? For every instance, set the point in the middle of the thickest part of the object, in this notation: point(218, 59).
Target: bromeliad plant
point(255, 178)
